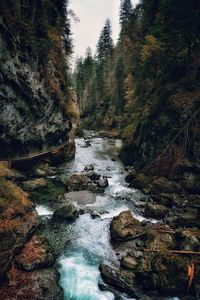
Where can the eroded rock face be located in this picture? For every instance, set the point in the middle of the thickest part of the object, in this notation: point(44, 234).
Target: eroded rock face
point(17, 219)
point(124, 226)
point(33, 111)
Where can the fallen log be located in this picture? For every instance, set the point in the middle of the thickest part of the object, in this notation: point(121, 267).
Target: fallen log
point(184, 252)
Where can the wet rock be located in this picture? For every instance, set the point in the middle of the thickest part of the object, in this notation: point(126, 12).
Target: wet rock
point(188, 239)
point(155, 211)
point(163, 185)
point(32, 185)
point(103, 183)
point(40, 173)
point(187, 217)
point(93, 176)
point(140, 181)
point(77, 182)
point(132, 173)
point(191, 182)
point(124, 226)
point(123, 280)
point(162, 272)
point(66, 213)
point(80, 198)
point(128, 262)
point(89, 167)
point(95, 215)
point(41, 285)
point(36, 254)
point(159, 240)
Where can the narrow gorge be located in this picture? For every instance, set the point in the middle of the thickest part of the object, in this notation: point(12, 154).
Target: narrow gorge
point(99, 159)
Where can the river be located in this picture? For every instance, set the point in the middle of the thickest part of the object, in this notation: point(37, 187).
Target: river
point(90, 237)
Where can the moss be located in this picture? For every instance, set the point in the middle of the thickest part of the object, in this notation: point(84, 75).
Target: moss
point(49, 193)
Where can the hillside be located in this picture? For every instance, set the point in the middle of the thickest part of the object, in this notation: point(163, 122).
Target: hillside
point(147, 86)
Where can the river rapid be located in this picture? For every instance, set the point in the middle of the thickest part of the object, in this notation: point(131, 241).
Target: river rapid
point(90, 238)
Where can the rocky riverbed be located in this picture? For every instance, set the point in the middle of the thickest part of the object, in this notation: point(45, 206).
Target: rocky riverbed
point(107, 239)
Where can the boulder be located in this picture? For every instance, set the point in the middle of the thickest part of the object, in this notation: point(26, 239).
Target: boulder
point(123, 280)
point(156, 211)
point(66, 213)
point(141, 181)
point(128, 262)
point(41, 285)
point(124, 226)
point(89, 167)
point(191, 182)
point(188, 239)
point(36, 254)
point(32, 185)
point(163, 185)
point(103, 182)
point(163, 272)
point(77, 182)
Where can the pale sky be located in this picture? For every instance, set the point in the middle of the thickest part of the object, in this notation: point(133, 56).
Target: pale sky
point(92, 15)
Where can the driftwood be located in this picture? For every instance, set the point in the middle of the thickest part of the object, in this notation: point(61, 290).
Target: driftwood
point(184, 252)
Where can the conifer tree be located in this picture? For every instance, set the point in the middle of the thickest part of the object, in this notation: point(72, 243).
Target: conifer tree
point(105, 43)
point(126, 10)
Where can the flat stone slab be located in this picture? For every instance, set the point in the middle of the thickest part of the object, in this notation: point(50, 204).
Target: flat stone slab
point(81, 198)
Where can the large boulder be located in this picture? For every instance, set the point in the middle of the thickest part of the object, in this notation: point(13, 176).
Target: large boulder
point(124, 226)
point(37, 253)
point(32, 185)
point(77, 182)
point(66, 213)
point(41, 285)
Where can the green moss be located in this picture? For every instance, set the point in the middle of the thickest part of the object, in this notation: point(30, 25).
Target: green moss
point(49, 193)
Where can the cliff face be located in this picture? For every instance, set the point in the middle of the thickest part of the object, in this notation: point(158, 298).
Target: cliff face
point(35, 101)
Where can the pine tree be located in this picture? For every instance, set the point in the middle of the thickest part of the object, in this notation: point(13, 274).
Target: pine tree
point(105, 43)
point(126, 10)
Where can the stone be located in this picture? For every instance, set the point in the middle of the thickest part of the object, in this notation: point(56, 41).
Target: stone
point(140, 181)
point(103, 182)
point(163, 185)
point(189, 239)
point(124, 226)
point(40, 284)
point(163, 272)
point(77, 182)
point(191, 182)
point(128, 262)
point(156, 211)
point(32, 185)
point(36, 254)
point(89, 167)
point(66, 213)
point(123, 280)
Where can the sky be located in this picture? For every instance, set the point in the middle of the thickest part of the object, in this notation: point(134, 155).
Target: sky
point(92, 15)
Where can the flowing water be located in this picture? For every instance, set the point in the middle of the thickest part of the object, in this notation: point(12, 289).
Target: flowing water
point(90, 237)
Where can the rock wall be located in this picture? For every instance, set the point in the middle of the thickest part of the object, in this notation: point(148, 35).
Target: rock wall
point(35, 100)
